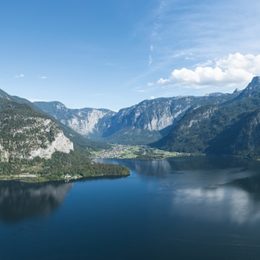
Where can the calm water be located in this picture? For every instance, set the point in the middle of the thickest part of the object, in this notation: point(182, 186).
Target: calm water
point(172, 209)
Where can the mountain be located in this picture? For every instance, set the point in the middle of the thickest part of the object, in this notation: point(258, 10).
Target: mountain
point(241, 138)
point(143, 123)
point(228, 128)
point(149, 120)
point(85, 121)
point(74, 136)
point(252, 90)
point(27, 134)
point(36, 147)
point(213, 124)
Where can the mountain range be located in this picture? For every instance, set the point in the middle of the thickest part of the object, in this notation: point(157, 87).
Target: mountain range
point(212, 124)
point(143, 123)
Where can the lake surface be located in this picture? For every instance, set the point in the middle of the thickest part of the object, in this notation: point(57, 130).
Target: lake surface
point(195, 208)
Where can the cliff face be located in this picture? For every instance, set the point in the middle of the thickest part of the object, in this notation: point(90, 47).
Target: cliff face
point(85, 121)
point(26, 134)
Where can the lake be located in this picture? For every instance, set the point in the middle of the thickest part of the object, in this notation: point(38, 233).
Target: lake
point(183, 208)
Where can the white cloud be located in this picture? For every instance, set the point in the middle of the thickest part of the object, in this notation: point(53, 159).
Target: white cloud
point(19, 76)
point(181, 32)
point(162, 81)
point(43, 77)
point(234, 70)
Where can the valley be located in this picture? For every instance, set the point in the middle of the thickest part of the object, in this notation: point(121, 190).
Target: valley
point(44, 141)
point(120, 151)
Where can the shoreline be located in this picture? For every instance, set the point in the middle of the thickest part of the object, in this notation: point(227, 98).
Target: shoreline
point(33, 178)
point(37, 178)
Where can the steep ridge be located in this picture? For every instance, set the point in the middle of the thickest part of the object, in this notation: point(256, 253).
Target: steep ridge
point(206, 129)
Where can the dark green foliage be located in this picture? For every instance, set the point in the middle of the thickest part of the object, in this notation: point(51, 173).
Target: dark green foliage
point(61, 166)
point(78, 163)
point(241, 138)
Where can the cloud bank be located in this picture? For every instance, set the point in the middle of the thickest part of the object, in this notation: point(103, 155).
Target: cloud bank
point(234, 70)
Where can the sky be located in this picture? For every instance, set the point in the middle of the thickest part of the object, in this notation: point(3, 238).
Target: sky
point(116, 53)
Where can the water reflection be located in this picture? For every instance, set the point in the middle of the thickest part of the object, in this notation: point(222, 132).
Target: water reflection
point(231, 194)
point(212, 189)
point(162, 168)
point(231, 204)
point(19, 201)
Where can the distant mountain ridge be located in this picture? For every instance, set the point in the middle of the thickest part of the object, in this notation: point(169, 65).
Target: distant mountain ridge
point(85, 121)
point(143, 123)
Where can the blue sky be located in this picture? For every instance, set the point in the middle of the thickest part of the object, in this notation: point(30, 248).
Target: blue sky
point(93, 53)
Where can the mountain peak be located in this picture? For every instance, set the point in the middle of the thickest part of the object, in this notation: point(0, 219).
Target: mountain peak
point(252, 89)
point(4, 95)
point(256, 80)
point(254, 84)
